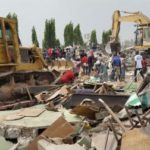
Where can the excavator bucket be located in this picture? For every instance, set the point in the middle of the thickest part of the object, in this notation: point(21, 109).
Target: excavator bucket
point(115, 47)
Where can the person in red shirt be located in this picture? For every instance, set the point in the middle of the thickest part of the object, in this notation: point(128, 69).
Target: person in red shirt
point(144, 65)
point(67, 77)
point(84, 61)
point(50, 52)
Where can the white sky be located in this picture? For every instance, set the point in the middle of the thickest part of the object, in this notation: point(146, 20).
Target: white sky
point(90, 14)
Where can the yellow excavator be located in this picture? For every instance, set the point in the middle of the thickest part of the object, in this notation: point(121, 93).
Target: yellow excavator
point(142, 33)
point(21, 68)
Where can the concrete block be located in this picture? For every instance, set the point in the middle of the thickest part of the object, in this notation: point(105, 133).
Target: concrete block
point(44, 145)
point(2, 130)
point(12, 133)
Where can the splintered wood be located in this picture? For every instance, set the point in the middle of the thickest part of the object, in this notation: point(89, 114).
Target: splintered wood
point(105, 89)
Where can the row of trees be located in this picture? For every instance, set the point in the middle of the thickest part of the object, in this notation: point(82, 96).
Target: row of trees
point(72, 35)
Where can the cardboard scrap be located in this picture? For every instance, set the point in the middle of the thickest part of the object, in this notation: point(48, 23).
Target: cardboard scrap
point(62, 91)
point(135, 139)
point(26, 112)
point(98, 141)
point(60, 128)
point(31, 112)
point(42, 96)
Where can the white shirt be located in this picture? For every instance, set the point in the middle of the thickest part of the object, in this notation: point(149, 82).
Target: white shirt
point(138, 59)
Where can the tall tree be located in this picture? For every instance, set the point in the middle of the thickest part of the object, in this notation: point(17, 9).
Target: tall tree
point(68, 34)
point(57, 43)
point(93, 39)
point(34, 37)
point(106, 37)
point(78, 40)
point(49, 34)
point(14, 16)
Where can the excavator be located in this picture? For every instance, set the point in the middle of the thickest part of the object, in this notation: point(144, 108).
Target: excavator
point(21, 68)
point(142, 33)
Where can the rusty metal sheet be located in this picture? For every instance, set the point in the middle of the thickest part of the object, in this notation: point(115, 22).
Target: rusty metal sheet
point(85, 111)
point(111, 100)
point(60, 128)
point(135, 140)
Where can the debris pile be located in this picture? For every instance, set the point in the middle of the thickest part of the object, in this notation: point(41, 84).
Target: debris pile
point(79, 116)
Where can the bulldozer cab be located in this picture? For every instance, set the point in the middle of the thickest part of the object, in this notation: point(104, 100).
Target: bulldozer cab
point(8, 42)
point(142, 36)
point(14, 57)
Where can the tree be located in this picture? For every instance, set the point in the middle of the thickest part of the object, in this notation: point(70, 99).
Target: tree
point(57, 43)
point(13, 16)
point(49, 34)
point(34, 37)
point(93, 39)
point(78, 40)
point(68, 34)
point(106, 37)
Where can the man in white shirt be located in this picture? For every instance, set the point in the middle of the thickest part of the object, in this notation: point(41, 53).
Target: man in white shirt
point(138, 65)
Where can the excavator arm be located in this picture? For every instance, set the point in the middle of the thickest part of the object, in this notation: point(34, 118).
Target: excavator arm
point(135, 17)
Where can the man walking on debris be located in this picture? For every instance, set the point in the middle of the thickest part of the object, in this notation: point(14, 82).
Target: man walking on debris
point(91, 61)
point(138, 65)
point(116, 64)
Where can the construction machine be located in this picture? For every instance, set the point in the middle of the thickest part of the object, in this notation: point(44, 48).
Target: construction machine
point(21, 68)
point(142, 33)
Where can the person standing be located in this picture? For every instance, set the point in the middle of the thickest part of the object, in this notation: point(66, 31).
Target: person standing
point(138, 65)
point(123, 67)
point(116, 64)
point(91, 61)
point(84, 61)
point(144, 65)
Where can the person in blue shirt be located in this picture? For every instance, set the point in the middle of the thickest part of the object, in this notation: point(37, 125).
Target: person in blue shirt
point(116, 64)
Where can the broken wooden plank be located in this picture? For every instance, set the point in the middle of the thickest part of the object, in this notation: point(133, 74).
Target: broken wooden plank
point(60, 128)
point(112, 114)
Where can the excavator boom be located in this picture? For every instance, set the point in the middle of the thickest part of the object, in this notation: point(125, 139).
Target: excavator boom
point(136, 17)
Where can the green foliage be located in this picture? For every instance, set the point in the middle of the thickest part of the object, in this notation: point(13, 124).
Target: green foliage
point(13, 16)
point(34, 37)
point(68, 34)
point(78, 40)
point(106, 36)
point(93, 38)
point(49, 34)
point(57, 43)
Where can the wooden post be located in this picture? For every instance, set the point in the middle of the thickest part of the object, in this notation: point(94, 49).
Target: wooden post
point(106, 140)
point(112, 114)
point(130, 119)
point(139, 118)
point(29, 94)
point(113, 129)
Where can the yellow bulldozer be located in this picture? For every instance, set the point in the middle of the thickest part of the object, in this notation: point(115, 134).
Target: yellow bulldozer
point(21, 68)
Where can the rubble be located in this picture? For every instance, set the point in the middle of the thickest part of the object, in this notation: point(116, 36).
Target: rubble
point(79, 116)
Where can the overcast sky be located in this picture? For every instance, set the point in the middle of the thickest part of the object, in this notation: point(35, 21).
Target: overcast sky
point(90, 14)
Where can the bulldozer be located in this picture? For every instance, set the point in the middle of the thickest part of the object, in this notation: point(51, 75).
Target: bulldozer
point(142, 33)
point(21, 68)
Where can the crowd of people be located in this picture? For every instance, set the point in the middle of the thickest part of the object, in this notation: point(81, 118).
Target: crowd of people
point(106, 68)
